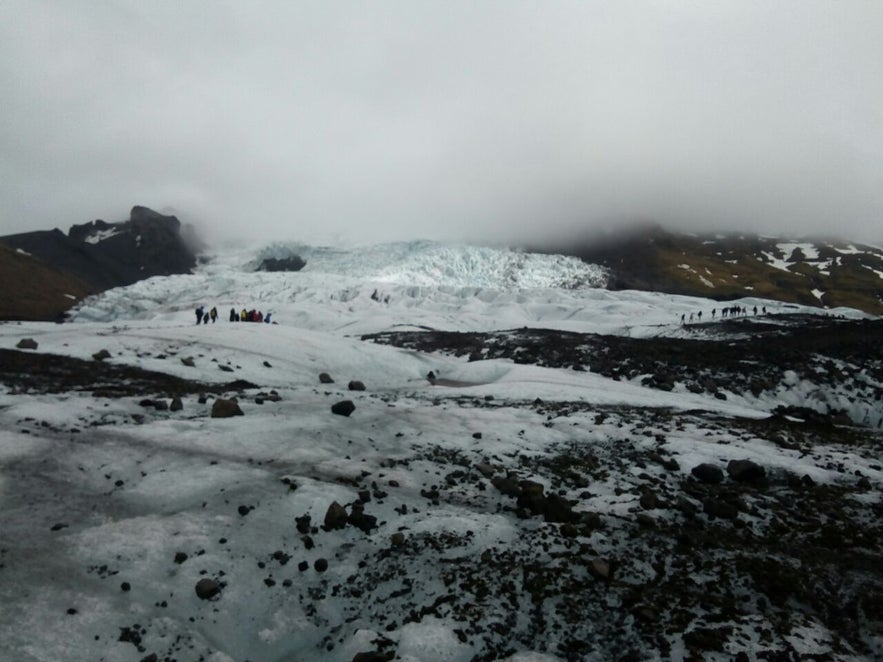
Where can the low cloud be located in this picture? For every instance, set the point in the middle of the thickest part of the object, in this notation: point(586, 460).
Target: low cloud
point(498, 122)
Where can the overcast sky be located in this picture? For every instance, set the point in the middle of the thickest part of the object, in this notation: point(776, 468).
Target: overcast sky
point(466, 121)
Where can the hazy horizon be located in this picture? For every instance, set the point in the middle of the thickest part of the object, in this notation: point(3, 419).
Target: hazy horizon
point(494, 122)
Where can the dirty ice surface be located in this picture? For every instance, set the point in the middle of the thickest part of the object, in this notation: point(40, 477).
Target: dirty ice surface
point(96, 503)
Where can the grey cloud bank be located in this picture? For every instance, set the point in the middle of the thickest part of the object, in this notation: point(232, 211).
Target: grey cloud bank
point(495, 121)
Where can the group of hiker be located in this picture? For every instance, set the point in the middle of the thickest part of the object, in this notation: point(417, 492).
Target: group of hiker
point(203, 316)
point(249, 316)
point(727, 311)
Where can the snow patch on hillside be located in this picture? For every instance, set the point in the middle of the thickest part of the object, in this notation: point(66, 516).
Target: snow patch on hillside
point(101, 235)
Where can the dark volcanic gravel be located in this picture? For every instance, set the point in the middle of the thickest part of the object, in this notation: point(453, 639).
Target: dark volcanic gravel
point(746, 355)
point(51, 373)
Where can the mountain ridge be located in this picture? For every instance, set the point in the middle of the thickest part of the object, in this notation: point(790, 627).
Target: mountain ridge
point(93, 257)
point(828, 273)
point(807, 271)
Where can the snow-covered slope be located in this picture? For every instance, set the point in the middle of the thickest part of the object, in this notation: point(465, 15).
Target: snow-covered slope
point(112, 509)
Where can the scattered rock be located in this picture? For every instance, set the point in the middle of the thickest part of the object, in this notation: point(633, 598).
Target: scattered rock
point(485, 470)
point(321, 565)
point(102, 355)
point(176, 405)
point(397, 539)
point(343, 408)
point(188, 361)
point(646, 520)
point(303, 524)
point(223, 408)
point(648, 501)
point(27, 343)
point(206, 589)
point(746, 471)
point(180, 557)
point(708, 473)
point(600, 568)
point(335, 517)
point(360, 520)
point(356, 385)
point(719, 508)
point(506, 485)
point(325, 378)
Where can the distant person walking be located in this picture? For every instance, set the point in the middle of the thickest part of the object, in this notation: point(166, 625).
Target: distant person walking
point(213, 313)
point(233, 316)
point(199, 314)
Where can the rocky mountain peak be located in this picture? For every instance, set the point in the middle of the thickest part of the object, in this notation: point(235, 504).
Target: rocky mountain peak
point(101, 255)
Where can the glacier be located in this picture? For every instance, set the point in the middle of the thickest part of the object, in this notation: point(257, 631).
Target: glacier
point(98, 493)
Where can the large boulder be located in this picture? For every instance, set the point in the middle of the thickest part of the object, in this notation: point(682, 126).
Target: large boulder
point(343, 408)
point(360, 520)
point(746, 471)
point(223, 408)
point(206, 589)
point(101, 355)
point(27, 343)
point(708, 473)
point(335, 517)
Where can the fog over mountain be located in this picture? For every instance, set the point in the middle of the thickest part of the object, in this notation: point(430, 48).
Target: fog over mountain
point(496, 121)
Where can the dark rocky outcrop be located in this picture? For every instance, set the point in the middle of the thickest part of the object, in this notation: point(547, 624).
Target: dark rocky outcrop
point(91, 258)
point(292, 263)
point(729, 266)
